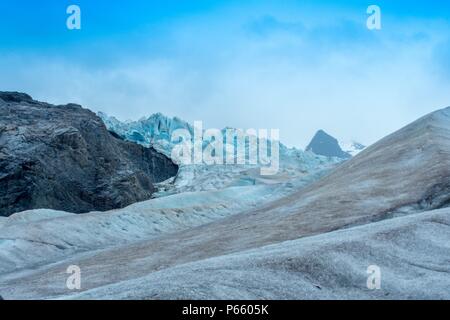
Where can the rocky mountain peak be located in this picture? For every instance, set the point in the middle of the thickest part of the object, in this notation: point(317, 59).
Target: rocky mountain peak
point(64, 158)
point(325, 145)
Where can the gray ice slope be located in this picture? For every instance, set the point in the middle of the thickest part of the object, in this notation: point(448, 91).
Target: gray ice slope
point(405, 173)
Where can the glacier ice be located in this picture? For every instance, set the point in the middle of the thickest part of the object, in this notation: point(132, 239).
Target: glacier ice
point(156, 131)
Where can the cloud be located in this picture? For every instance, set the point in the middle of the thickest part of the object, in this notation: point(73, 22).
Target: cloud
point(253, 70)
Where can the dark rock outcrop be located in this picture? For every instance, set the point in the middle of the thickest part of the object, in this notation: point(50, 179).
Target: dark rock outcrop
point(64, 158)
point(325, 145)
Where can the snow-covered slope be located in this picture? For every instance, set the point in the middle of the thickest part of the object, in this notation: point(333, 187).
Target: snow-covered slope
point(401, 176)
point(43, 236)
point(412, 254)
point(199, 194)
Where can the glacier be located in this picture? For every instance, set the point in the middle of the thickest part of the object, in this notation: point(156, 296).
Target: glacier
point(156, 131)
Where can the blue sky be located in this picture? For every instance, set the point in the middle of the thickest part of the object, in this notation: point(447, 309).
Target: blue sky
point(294, 65)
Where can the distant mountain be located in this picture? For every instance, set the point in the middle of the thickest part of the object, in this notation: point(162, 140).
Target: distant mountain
point(325, 145)
point(352, 147)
